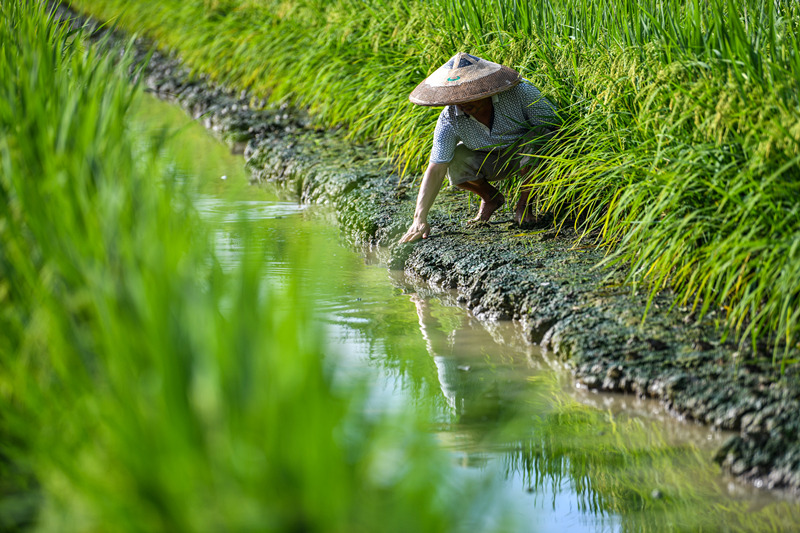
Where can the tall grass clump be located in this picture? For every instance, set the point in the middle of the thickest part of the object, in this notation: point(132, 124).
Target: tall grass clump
point(143, 387)
point(679, 150)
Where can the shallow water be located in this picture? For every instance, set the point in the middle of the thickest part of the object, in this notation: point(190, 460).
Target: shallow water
point(566, 459)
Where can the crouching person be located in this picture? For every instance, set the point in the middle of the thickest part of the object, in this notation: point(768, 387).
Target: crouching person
point(490, 114)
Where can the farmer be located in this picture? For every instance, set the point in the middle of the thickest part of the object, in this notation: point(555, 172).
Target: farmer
point(490, 114)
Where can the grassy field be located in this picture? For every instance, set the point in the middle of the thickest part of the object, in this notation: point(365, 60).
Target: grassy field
point(680, 147)
point(144, 387)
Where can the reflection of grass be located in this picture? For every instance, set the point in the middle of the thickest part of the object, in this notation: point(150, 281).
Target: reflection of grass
point(144, 387)
point(166, 125)
point(680, 143)
point(616, 465)
point(626, 467)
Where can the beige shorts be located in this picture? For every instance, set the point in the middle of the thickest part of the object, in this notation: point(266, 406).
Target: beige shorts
point(497, 164)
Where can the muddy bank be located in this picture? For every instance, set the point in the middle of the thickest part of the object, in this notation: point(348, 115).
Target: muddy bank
point(583, 317)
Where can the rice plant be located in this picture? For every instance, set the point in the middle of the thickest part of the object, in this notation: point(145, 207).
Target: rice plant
point(680, 146)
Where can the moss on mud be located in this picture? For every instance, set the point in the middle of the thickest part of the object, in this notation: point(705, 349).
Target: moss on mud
point(582, 315)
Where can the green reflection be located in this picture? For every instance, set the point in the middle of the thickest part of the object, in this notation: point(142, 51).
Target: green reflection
point(509, 411)
point(193, 152)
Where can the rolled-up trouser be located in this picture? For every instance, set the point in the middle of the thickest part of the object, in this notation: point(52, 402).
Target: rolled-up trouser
point(499, 163)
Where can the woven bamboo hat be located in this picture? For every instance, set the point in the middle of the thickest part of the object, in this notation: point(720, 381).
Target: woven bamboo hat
point(462, 79)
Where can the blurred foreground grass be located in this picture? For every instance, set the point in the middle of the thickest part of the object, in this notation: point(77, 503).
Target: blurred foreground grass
point(142, 386)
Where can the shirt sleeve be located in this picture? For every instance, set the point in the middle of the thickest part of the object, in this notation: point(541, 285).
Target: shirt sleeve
point(444, 140)
point(538, 110)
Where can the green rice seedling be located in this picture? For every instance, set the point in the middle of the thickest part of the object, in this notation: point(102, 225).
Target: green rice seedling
point(144, 386)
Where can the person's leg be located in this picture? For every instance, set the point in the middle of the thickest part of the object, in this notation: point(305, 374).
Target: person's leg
point(500, 165)
point(465, 172)
point(491, 198)
point(526, 210)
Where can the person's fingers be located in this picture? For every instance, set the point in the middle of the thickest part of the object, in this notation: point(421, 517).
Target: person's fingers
point(415, 233)
point(408, 237)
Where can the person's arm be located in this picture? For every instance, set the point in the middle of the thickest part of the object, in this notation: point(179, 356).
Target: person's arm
point(431, 183)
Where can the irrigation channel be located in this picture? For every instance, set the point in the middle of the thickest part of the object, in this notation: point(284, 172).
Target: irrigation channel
point(560, 458)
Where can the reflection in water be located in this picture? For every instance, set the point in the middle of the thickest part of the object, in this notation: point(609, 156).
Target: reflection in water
point(468, 392)
point(618, 464)
point(496, 404)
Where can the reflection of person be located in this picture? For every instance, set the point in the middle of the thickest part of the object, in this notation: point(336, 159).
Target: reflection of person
point(472, 395)
point(490, 114)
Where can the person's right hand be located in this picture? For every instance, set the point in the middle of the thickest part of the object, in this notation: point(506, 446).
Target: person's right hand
point(417, 230)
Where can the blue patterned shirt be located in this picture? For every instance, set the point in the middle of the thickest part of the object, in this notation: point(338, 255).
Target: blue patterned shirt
point(515, 111)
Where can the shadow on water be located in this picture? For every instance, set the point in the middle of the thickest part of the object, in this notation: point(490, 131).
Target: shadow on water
point(569, 460)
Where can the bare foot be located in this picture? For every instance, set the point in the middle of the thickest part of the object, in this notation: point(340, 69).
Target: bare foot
point(487, 209)
point(525, 215)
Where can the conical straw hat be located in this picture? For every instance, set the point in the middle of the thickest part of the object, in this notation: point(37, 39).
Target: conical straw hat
point(462, 79)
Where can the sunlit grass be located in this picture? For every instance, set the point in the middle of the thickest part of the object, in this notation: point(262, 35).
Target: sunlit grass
point(681, 118)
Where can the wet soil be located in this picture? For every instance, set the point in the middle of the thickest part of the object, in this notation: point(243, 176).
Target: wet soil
point(584, 317)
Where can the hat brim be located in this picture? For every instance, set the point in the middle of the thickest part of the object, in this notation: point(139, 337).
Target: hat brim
point(461, 92)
